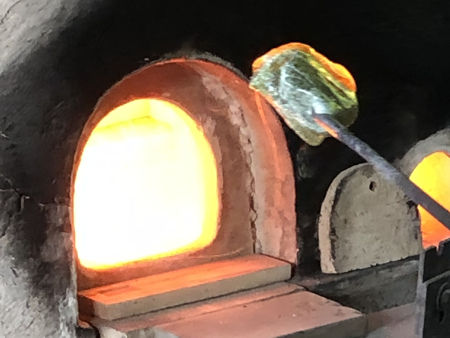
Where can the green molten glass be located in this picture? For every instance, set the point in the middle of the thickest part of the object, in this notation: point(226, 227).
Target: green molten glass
point(297, 81)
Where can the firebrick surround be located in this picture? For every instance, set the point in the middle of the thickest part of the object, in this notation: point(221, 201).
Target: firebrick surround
point(255, 173)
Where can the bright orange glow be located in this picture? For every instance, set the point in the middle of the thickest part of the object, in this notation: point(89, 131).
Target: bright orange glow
point(433, 176)
point(146, 187)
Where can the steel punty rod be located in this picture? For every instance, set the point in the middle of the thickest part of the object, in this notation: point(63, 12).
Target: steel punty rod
point(389, 172)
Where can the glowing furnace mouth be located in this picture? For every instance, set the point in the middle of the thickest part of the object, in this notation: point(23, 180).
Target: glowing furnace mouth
point(432, 174)
point(146, 187)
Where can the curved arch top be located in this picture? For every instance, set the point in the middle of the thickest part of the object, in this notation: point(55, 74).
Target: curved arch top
point(254, 169)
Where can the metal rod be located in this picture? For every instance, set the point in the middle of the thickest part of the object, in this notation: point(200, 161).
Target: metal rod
point(389, 172)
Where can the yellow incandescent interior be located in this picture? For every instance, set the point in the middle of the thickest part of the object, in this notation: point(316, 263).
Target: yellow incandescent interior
point(146, 187)
point(432, 174)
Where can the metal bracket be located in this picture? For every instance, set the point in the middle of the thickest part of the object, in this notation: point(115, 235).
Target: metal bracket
point(433, 292)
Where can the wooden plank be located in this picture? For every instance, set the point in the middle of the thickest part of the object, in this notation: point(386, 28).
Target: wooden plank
point(182, 286)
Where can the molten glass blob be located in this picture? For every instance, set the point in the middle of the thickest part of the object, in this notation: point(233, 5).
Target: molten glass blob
point(433, 176)
point(146, 187)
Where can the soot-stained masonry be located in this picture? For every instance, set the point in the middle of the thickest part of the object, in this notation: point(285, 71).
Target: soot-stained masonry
point(57, 58)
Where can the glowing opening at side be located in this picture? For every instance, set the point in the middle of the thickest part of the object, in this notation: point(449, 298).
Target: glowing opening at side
point(146, 187)
point(432, 174)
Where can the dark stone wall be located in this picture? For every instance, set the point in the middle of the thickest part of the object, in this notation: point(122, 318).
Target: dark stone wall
point(57, 57)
